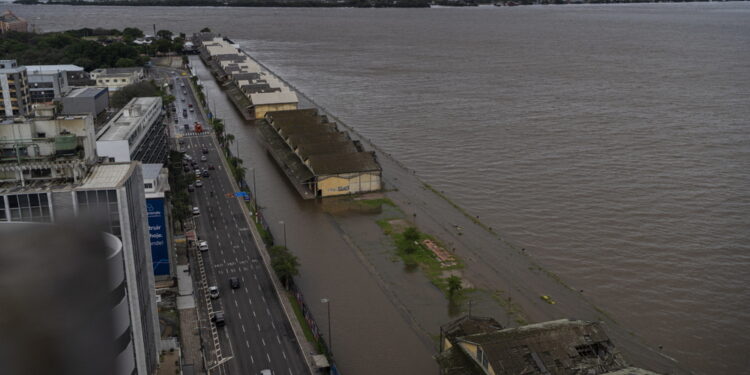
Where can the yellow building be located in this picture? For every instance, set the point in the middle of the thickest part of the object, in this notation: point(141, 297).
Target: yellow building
point(320, 160)
point(265, 102)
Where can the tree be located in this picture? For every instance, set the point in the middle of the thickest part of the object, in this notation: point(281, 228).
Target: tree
point(140, 89)
point(284, 264)
point(163, 45)
point(124, 63)
point(454, 286)
point(164, 34)
point(411, 234)
point(228, 139)
point(132, 33)
point(205, 30)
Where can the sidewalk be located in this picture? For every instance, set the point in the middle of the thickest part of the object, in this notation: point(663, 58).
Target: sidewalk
point(189, 331)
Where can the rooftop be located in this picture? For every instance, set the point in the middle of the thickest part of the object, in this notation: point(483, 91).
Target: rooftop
point(352, 162)
point(87, 92)
point(122, 125)
point(151, 171)
point(281, 97)
point(106, 176)
point(53, 68)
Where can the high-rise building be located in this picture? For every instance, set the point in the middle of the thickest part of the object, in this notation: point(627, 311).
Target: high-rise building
point(14, 90)
point(136, 132)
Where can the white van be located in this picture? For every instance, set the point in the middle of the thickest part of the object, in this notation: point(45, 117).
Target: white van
point(203, 246)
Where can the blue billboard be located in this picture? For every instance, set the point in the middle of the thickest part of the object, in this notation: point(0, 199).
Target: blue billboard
point(157, 231)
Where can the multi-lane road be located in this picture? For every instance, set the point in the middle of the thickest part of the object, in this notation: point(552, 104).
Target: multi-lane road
point(257, 335)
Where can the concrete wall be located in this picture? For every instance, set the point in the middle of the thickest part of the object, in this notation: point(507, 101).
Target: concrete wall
point(261, 110)
point(350, 183)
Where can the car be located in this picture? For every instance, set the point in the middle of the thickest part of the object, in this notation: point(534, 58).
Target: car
point(186, 168)
point(192, 110)
point(205, 174)
point(266, 372)
point(187, 157)
point(181, 142)
point(196, 211)
point(197, 173)
point(190, 105)
point(204, 158)
point(186, 127)
point(204, 150)
point(198, 183)
point(176, 121)
point(213, 291)
point(182, 84)
point(203, 246)
point(191, 187)
point(183, 99)
point(211, 167)
point(234, 282)
point(218, 318)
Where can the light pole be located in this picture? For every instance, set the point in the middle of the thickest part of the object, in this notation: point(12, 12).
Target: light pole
point(330, 339)
point(284, 225)
point(255, 195)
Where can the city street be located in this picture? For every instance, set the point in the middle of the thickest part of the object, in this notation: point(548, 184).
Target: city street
point(257, 335)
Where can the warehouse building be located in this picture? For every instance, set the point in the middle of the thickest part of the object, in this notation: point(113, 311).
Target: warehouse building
point(320, 160)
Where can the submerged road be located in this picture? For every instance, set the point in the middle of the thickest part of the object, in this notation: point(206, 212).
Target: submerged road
point(257, 335)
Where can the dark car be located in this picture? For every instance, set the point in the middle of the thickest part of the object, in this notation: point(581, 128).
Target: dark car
point(186, 168)
point(234, 282)
point(211, 167)
point(191, 187)
point(205, 173)
point(205, 150)
point(187, 127)
point(218, 318)
point(176, 121)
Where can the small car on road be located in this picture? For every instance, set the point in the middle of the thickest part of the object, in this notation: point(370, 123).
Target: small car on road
point(198, 183)
point(211, 167)
point(196, 211)
point(234, 282)
point(205, 173)
point(191, 188)
point(204, 150)
point(203, 246)
point(213, 291)
point(204, 158)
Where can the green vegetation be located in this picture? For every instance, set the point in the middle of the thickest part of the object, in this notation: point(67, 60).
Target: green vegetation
point(284, 264)
point(88, 48)
point(178, 181)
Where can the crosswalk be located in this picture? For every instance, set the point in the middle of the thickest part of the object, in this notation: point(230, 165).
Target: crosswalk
point(193, 134)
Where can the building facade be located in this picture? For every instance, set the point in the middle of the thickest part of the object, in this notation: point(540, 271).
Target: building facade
point(11, 22)
point(89, 100)
point(155, 184)
point(49, 82)
point(113, 194)
point(116, 78)
point(15, 99)
point(136, 132)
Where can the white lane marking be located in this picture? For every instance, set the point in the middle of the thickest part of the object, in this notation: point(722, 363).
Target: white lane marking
point(268, 356)
point(255, 276)
point(252, 359)
point(258, 326)
point(278, 339)
point(290, 371)
point(273, 325)
point(240, 314)
point(254, 316)
point(268, 311)
point(263, 340)
point(247, 343)
point(260, 289)
point(249, 300)
point(246, 291)
point(243, 330)
point(264, 299)
point(235, 304)
point(284, 354)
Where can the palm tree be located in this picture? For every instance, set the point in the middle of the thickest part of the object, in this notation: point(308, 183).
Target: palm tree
point(228, 139)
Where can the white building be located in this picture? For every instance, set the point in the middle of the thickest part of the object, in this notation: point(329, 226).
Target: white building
point(49, 82)
point(112, 193)
point(117, 78)
point(135, 133)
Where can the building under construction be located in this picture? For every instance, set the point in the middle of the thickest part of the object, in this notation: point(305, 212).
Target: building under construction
point(319, 159)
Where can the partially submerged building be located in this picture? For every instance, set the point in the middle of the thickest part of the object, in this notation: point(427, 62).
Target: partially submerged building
point(473, 345)
point(319, 159)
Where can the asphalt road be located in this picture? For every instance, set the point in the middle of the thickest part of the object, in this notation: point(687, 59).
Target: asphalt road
point(257, 335)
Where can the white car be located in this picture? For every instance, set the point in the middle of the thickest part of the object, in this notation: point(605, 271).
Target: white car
point(198, 183)
point(213, 291)
point(196, 211)
point(203, 246)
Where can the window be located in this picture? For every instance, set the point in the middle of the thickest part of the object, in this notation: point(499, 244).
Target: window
point(28, 207)
point(481, 358)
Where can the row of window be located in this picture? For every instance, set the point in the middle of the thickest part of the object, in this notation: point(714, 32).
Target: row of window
point(25, 207)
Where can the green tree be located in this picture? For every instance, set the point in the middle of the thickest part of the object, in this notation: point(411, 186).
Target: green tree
point(411, 234)
point(284, 264)
point(124, 62)
point(132, 32)
point(228, 139)
point(164, 34)
point(205, 30)
point(140, 89)
point(163, 45)
point(454, 286)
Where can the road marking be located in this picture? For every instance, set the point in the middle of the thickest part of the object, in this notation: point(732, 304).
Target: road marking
point(263, 340)
point(284, 354)
point(252, 359)
point(268, 356)
point(240, 315)
point(290, 371)
point(246, 291)
point(278, 339)
point(258, 326)
point(268, 311)
point(243, 330)
point(264, 298)
point(254, 316)
point(247, 343)
point(273, 325)
point(236, 305)
point(260, 289)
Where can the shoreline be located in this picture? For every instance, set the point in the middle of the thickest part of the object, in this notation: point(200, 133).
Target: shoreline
point(490, 260)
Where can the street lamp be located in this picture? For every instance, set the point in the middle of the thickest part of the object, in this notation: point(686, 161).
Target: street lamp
point(284, 225)
point(330, 339)
point(255, 195)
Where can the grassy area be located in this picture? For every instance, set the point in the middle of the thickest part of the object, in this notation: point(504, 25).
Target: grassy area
point(415, 255)
point(377, 202)
point(513, 309)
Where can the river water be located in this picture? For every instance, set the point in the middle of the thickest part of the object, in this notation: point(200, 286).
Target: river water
point(611, 142)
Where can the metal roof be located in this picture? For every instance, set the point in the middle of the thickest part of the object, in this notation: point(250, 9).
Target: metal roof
point(53, 68)
point(108, 176)
point(282, 97)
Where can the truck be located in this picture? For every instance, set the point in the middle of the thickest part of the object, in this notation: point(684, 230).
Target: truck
point(198, 127)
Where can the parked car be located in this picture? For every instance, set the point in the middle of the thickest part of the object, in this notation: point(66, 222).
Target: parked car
point(213, 291)
point(191, 188)
point(203, 246)
point(197, 172)
point(218, 318)
point(196, 211)
point(234, 282)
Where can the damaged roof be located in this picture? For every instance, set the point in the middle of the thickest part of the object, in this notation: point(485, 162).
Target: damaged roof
point(355, 162)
